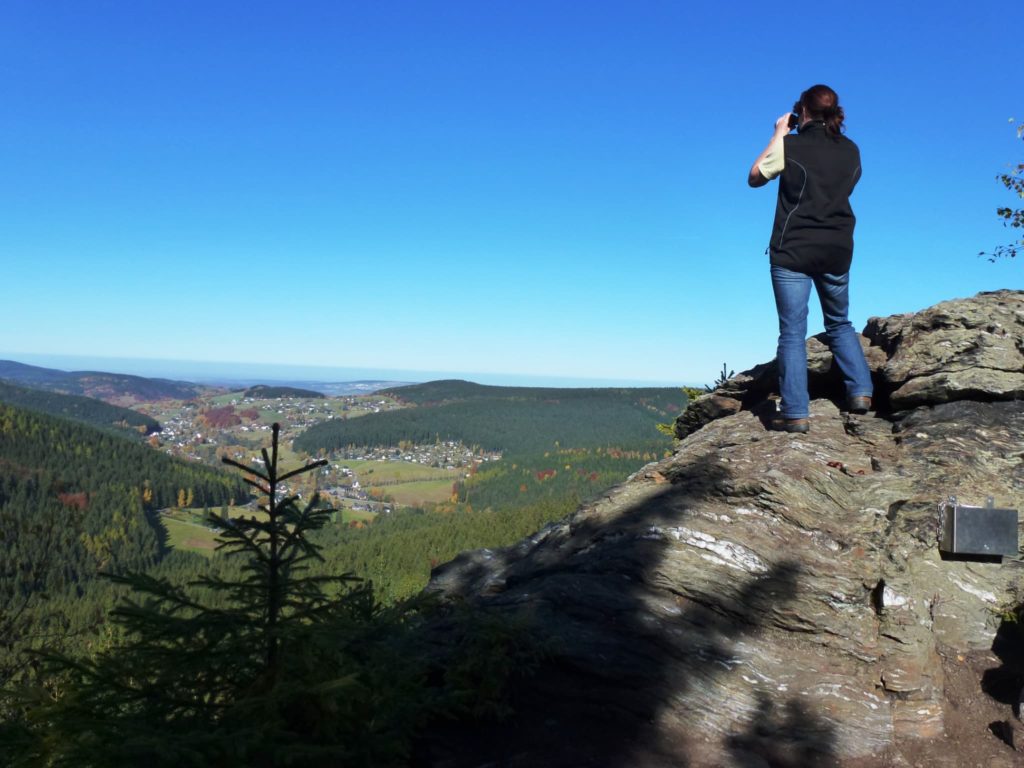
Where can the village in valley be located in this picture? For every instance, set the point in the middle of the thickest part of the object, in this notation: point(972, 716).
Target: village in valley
point(360, 482)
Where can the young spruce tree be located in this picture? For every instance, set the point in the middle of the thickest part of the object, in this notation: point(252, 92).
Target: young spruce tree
point(277, 666)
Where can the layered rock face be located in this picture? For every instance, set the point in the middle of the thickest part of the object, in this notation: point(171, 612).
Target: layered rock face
point(764, 598)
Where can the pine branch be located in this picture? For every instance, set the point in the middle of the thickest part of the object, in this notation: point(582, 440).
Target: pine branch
point(306, 468)
point(244, 468)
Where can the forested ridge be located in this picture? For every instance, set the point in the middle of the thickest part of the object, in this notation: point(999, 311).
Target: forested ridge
point(85, 409)
point(508, 419)
point(451, 390)
point(269, 392)
point(91, 383)
point(73, 458)
point(75, 500)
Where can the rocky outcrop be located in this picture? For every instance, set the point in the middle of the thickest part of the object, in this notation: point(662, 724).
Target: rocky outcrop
point(956, 350)
point(960, 349)
point(763, 598)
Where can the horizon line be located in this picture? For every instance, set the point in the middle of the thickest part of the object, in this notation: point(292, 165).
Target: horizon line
point(224, 371)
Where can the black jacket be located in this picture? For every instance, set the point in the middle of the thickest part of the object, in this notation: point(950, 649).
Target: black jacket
point(814, 222)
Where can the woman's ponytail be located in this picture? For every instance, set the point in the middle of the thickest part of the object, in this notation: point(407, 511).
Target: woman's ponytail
point(822, 103)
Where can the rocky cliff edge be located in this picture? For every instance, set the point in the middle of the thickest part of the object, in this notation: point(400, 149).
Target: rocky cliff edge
point(764, 598)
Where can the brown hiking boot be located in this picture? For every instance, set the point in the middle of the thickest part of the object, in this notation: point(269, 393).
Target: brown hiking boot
point(859, 404)
point(800, 426)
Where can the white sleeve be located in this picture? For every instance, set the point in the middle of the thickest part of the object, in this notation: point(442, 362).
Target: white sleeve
point(775, 160)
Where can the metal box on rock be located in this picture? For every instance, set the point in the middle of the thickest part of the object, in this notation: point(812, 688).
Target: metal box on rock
point(966, 530)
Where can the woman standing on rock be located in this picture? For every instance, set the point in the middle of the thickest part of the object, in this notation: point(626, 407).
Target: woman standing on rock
point(812, 243)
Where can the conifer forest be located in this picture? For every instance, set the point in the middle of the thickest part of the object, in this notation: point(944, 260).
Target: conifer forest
point(297, 635)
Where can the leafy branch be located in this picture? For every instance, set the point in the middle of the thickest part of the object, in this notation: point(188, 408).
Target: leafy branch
point(1013, 181)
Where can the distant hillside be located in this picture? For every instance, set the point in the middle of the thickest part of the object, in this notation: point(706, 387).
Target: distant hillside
point(326, 388)
point(265, 392)
point(448, 390)
point(458, 390)
point(97, 384)
point(84, 409)
point(516, 419)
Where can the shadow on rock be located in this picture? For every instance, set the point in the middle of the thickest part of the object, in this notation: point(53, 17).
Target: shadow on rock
point(624, 646)
point(1005, 683)
point(784, 735)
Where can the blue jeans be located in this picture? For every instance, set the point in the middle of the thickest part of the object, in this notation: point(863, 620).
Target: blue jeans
point(792, 290)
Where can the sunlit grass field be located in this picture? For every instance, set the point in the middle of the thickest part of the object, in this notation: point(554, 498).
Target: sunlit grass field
point(185, 529)
point(189, 536)
point(417, 493)
point(374, 472)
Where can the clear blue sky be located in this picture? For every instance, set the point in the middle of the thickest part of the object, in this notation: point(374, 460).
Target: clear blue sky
point(550, 189)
